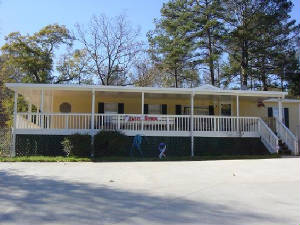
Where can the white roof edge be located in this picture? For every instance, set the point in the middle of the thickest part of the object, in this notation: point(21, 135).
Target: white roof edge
point(198, 90)
point(284, 100)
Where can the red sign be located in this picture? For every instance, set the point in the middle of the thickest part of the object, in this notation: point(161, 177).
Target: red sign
point(139, 118)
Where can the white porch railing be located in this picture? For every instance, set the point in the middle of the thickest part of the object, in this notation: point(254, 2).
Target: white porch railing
point(287, 136)
point(73, 121)
point(225, 124)
point(267, 136)
point(173, 125)
point(137, 122)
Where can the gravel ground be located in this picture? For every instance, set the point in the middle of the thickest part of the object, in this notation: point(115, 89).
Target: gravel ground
point(231, 192)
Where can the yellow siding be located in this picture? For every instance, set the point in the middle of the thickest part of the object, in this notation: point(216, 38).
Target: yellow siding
point(81, 103)
point(294, 117)
point(132, 105)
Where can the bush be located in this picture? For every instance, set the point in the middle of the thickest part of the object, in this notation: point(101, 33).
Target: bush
point(77, 145)
point(67, 146)
point(111, 143)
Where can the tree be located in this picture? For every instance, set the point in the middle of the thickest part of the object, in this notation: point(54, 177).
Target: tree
point(275, 46)
point(32, 56)
point(112, 45)
point(169, 47)
point(145, 74)
point(242, 33)
point(74, 67)
point(207, 31)
point(189, 37)
point(292, 74)
point(258, 30)
point(29, 58)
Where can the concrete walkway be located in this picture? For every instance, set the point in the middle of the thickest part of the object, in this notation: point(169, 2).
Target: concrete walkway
point(259, 192)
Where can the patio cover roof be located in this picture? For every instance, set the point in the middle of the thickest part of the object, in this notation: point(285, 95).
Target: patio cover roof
point(207, 89)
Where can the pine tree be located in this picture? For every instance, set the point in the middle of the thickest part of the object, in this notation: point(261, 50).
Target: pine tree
point(189, 37)
point(169, 47)
point(207, 33)
point(261, 32)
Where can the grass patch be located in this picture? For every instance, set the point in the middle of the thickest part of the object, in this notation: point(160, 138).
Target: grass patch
point(44, 159)
point(129, 159)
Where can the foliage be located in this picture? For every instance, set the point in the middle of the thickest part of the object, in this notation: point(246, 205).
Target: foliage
point(31, 56)
point(78, 145)
point(188, 38)
point(260, 36)
point(29, 59)
point(145, 73)
point(74, 67)
point(292, 74)
point(67, 146)
point(47, 145)
point(44, 159)
point(169, 47)
point(251, 43)
point(111, 143)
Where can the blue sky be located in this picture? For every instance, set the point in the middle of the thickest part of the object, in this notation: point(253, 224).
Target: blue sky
point(28, 16)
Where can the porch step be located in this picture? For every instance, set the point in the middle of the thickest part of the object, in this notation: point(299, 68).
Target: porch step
point(283, 148)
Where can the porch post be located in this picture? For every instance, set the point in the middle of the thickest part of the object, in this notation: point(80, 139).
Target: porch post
point(13, 149)
point(238, 113)
point(192, 124)
point(29, 107)
point(237, 106)
point(142, 117)
point(42, 101)
point(280, 109)
point(93, 121)
point(42, 109)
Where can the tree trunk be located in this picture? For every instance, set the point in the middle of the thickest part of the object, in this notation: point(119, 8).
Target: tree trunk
point(263, 76)
point(176, 78)
point(210, 49)
point(244, 64)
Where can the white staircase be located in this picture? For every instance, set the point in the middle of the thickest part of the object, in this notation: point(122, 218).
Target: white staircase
point(287, 137)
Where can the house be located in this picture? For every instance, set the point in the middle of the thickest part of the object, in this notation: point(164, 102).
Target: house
point(196, 114)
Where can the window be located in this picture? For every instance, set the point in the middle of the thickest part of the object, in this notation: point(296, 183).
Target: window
point(284, 114)
point(111, 108)
point(276, 112)
point(198, 110)
point(154, 109)
point(226, 109)
point(65, 107)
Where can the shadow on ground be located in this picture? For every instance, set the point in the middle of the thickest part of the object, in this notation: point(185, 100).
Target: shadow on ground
point(33, 200)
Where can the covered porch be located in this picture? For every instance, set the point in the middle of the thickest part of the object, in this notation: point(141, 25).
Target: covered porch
point(198, 112)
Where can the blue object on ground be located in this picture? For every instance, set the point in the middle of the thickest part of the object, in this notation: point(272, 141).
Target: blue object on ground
point(136, 144)
point(162, 148)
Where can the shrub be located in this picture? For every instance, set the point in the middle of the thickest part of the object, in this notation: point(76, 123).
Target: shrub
point(67, 146)
point(111, 143)
point(77, 145)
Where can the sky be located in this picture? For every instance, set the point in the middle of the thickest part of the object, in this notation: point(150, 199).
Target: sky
point(28, 16)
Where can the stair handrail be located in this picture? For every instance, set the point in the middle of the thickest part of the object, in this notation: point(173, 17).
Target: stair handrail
point(287, 136)
point(269, 139)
